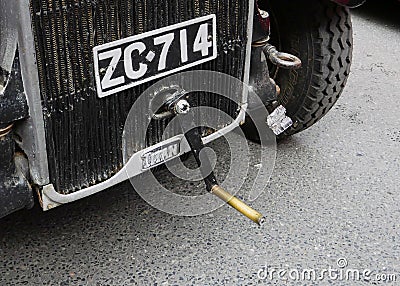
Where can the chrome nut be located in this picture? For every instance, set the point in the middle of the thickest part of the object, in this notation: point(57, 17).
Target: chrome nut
point(182, 107)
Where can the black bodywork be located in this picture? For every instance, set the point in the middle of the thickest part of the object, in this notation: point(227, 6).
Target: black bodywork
point(15, 192)
point(13, 105)
point(83, 132)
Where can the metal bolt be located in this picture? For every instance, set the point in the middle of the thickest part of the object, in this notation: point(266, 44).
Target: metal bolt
point(182, 107)
point(264, 14)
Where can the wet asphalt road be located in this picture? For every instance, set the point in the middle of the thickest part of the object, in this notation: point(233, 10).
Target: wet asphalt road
point(334, 195)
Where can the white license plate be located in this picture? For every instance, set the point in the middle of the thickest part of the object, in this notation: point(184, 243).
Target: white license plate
point(160, 155)
point(132, 61)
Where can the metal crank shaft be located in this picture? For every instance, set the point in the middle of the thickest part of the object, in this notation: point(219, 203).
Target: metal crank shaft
point(194, 139)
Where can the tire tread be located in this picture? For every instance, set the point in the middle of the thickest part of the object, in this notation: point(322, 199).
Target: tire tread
point(332, 46)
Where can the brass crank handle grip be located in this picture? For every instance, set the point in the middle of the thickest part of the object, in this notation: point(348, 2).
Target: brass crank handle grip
point(238, 205)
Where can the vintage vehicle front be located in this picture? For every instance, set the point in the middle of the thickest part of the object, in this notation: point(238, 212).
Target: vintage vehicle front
point(72, 70)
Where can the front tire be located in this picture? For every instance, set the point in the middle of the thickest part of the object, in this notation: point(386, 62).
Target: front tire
point(319, 32)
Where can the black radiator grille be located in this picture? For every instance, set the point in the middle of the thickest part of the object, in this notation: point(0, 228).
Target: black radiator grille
point(83, 132)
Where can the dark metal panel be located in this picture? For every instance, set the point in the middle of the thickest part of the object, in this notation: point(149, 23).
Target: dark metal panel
point(83, 132)
point(15, 193)
point(13, 104)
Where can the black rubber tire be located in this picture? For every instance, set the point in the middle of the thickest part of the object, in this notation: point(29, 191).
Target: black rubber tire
point(319, 32)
